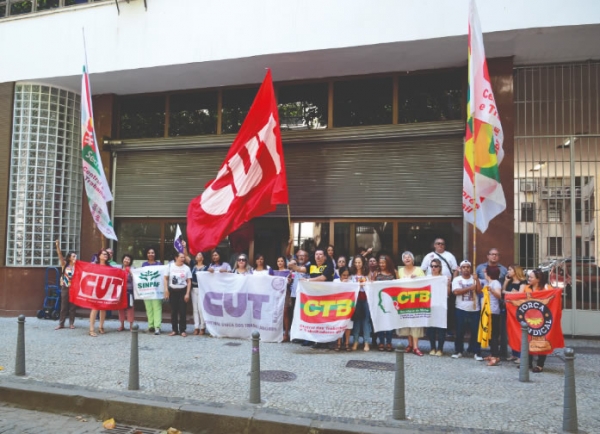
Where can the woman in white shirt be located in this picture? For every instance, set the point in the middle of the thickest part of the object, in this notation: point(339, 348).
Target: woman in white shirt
point(178, 284)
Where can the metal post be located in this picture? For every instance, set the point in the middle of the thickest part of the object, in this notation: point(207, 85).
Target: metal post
point(399, 412)
point(20, 360)
point(570, 398)
point(524, 366)
point(134, 366)
point(255, 370)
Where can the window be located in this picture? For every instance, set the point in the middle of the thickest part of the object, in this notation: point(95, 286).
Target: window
point(555, 211)
point(236, 104)
point(555, 246)
point(527, 212)
point(142, 117)
point(303, 107)
point(362, 102)
point(192, 114)
point(430, 97)
point(46, 175)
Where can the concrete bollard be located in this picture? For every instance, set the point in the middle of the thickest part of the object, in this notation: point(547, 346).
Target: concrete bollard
point(134, 366)
point(399, 412)
point(255, 370)
point(524, 366)
point(570, 398)
point(20, 359)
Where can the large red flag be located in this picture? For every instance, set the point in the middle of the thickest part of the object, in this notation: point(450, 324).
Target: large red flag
point(542, 311)
point(99, 287)
point(251, 181)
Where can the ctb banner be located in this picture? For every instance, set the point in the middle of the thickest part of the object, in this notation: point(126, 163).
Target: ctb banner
point(323, 310)
point(148, 282)
point(542, 311)
point(420, 302)
point(99, 287)
point(234, 305)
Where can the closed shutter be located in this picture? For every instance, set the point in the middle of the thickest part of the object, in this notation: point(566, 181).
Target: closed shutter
point(413, 177)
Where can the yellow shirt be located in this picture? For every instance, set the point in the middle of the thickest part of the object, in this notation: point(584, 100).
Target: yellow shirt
point(417, 272)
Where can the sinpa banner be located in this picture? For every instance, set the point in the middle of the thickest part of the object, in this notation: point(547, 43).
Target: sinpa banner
point(323, 310)
point(148, 282)
point(234, 305)
point(99, 287)
point(420, 302)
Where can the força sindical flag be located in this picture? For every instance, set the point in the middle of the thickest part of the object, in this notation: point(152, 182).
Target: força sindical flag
point(96, 185)
point(482, 189)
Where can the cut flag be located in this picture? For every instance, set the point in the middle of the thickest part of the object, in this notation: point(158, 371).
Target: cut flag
point(96, 185)
point(251, 182)
point(483, 139)
point(177, 242)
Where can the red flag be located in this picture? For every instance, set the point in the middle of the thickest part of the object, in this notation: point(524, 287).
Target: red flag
point(542, 311)
point(99, 287)
point(251, 181)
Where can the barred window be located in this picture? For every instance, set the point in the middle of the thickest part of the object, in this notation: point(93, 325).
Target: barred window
point(46, 175)
point(555, 246)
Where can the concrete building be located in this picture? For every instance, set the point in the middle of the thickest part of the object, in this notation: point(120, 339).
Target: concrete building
point(371, 97)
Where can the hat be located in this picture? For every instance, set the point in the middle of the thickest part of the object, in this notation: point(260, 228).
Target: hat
point(465, 262)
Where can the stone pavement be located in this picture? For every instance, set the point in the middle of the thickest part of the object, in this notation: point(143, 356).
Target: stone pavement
point(442, 394)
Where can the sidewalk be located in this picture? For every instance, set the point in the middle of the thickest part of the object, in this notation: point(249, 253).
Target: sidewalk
point(352, 390)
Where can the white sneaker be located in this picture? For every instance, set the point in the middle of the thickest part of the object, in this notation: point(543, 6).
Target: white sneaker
point(478, 358)
point(439, 353)
point(457, 356)
point(432, 353)
point(157, 332)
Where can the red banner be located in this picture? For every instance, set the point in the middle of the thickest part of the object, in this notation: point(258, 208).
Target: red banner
point(542, 311)
point(98, 287)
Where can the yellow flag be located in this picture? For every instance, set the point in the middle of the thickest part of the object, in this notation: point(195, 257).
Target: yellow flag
point(485, 323)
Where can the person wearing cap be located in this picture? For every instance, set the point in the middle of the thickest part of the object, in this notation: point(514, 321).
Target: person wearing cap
point(466, 286)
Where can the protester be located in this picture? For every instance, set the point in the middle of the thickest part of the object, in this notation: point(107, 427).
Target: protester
point(178, 285)
point(260, 268)
point(331, 258)
point(491, 274)
point(449, 268)
point(466, 287)
point(320, 271)
point(299, 268)
point(67, 269)
point(217, 263)
point(199, 324)
point(536, 281)
point(514, 279)
point(437, 333)
point(241, 265)
point(373, 268)
point(494, 261)
point(344, 273)
point(387, 271)
point(362, 316)
point(102, 259)
point(153, 307)
point(410, 271)
point(128, 312)
point(283, 271)
point(341, 262)
point(111, 261)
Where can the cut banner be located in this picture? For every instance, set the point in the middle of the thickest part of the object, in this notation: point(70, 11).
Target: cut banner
point(148, 282)
point(99, 287)
point(323, 310)
point(420, 302)
point(234, 305)
point(542, 311)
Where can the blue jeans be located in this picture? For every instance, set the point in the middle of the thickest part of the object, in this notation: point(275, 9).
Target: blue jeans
point(385, 337)
point(466, 319)
point(365, 323)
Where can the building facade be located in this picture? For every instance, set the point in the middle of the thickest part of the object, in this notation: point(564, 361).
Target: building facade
point(372, 107)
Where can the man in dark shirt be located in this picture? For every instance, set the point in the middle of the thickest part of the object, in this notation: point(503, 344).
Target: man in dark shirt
point(321, 270)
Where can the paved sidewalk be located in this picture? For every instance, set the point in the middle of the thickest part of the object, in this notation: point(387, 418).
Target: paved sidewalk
point(440, 392)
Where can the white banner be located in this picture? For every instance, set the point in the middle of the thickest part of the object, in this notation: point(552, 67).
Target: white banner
point(420, 302)
point(234, 305)
point(148, 282)
point(323, 310)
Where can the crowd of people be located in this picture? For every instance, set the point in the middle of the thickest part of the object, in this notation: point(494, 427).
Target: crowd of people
point(464, 295)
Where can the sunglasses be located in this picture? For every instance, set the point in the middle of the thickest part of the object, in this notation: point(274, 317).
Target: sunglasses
point(242, 259)
point(435, 266)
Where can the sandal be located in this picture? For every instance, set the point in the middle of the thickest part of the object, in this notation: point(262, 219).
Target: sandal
point(348, 348)
point(101, 330)
point(381, 347)
point(408, 349)
point(417, 352)
point(71, 326)
point(202, 332)
point(172, 333)
point(337, 348)
point(120, 329)
point(389, 348)
point(59, 327)
point(537, 369)
point(183, 334)
point(196, 332)
point(494, 361)
point(92, 334)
